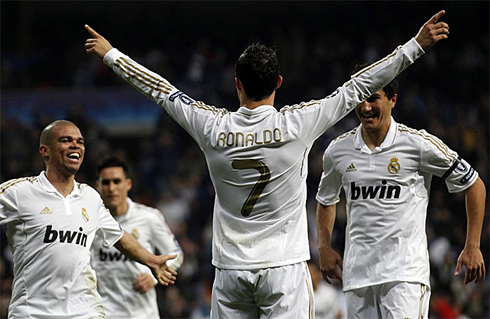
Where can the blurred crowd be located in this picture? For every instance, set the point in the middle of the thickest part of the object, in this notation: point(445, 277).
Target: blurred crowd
point(445, 92)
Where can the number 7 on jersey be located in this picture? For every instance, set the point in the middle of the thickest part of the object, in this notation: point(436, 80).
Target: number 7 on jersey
point(264, 178)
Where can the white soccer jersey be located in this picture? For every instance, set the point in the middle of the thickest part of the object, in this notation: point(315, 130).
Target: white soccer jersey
point(50, 238)
point(257, 159)
point(387, 193)
point(116, 273)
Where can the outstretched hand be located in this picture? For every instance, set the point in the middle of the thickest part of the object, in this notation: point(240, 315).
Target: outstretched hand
point(162, 272)
point(432, 31)
point(98, 45)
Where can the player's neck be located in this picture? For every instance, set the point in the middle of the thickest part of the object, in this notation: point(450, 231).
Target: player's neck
point(62, 183)
point(374, 138)
point(120, 210)
point(251, 104)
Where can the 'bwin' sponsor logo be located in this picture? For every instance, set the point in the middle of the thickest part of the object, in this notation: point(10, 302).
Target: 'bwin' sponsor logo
point(65, 236)
point(378, 191)
point(112, 256)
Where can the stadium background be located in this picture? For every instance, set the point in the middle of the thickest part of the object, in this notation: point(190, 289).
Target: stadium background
point(45, 75)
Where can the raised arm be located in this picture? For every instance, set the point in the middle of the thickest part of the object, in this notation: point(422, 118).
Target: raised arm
point(158, 264)
point(471, 256)
point(329, 258)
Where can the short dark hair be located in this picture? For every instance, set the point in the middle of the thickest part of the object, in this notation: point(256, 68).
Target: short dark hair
point(258, 70)
point(390, 89)
point(112, 161)
point(47, 133)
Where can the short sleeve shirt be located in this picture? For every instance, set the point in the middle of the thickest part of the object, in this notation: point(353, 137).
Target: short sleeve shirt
point(387, 193)
point(50, 237)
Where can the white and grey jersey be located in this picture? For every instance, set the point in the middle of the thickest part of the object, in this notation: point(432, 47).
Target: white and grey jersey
point(116, 273)
point(387, 193)
point(257, 158)
point(50, 237)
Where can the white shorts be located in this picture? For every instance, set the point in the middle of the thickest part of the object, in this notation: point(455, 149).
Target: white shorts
point(390, 300)
point(279, 292)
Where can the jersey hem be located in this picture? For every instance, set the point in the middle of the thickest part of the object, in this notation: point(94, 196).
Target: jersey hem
point(262, 265)
point(354, 287)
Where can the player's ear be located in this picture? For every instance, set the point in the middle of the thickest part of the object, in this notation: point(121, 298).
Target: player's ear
point(44, 151)
point(98, 185)
point(129, 182)
point(279, 82)
point(238, 84)
point(393, 100)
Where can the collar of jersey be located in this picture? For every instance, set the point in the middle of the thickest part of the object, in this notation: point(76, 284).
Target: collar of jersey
point(389, 139)
point(48, 187)
point(256, 111)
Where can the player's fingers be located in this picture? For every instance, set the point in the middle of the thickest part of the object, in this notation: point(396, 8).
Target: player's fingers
point(92, 31)
point(325, 276)
point(167, 257)
point(441, 25)
point(479, 275)
point(441, 30)
point(436, 16)
point(440, 37)
point(172, 271)
point(458, 268)
point(341, 264)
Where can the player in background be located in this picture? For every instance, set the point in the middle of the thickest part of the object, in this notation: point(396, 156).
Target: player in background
point(257, 159)
point(51, 223)
point(126, 287)
point(385, 169)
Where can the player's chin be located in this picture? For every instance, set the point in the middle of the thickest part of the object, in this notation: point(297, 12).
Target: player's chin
point(72, 168)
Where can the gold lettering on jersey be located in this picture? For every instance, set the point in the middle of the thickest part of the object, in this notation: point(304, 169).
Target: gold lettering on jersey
point(135, 233)
point(240, 139)
point(394, 166)
point(46, 210)
point(84, 214)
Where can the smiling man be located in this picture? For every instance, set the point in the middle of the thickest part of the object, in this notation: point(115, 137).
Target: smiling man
point(386, 169)
point(51, 223)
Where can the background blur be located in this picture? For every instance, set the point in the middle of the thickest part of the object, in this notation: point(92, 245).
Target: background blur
point(46, 75)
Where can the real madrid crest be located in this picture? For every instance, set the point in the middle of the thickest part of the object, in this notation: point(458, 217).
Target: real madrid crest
point(394, 166)
point(135, 233)
point(84, 214)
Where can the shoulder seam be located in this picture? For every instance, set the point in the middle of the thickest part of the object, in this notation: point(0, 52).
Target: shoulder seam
point(343, 136)
point(16, 181)
point(429, 138)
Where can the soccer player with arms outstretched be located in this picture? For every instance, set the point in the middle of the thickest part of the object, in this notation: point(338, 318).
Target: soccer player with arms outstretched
point(257, 159)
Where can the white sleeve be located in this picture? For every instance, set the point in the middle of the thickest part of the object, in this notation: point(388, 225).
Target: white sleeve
point(109, 229)
point(194, 116)
point(165, 241)
point(320, 115)
point(8, 204)
point(438, 159)
point(330, 183)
